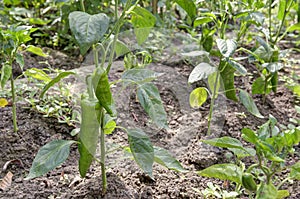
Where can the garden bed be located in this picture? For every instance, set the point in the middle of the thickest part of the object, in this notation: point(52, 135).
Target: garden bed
point(125, 179)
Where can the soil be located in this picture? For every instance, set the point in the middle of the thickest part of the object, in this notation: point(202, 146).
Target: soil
point(125, 179)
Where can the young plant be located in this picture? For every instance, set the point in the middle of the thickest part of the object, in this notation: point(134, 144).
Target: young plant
point(268, 157)
point(12, 42)
point(97, 103)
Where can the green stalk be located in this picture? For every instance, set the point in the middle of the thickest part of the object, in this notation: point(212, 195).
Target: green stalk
point(14, 108)
point(270, 19)
point(298, 12)
point(212, 102)
point(95, 52)
point(286, 10)
point(82, 5)
point(119, 22)
point(103, 152)
point(282, 182)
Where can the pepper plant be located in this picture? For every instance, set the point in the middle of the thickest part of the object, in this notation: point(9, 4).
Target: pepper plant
point(12, 42)
point(98, 111)
point(268, 158)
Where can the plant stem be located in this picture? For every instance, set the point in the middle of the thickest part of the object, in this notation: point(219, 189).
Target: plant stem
point(95, 52)
point(14, 108)
point(115, 38)
point(82, 5)
point(286, 10)
point(270, 19)
point(212, 102)
point(102, 163)
point(281, 183)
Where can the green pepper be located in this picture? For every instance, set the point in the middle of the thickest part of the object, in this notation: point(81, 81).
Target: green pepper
point(248, 182)
point(102, 90)
point(89, 133)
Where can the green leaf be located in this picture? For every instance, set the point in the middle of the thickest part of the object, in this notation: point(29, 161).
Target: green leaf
point(293, 27)
point(246, 152)
point(201, 71)
point(121, 49)
point(202, 20)
point(38, 21)
point(139, 76)
point(266, 191)
point(88, 29)
point(249, 135)
point(249, 104)
point(36, 50)
point(189, 6)
point(295, 89)
point(197, 97)
point(227, 75)
point(224, 142)
point(229, 172)
point(295, 171)
point(109, 124)
point(163, 157)
point(226, 47)
point(258, 86)
point(20, 60)
point(38, 74)
point(264, 44)
point(49, 156)
point(263, 54)
point(273, 67)
point(6, 72)
point(142, 21)
point(282, 194)
point(55, 80)
point(237, 66)
point(231, 143)
point(142, 149)
point(149, 98)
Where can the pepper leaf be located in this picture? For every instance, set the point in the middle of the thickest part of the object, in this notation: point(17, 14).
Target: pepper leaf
point(201, 71)
point(295, 171)
point(163, 157)
point(88, 29)
point(5, 74)
point(197, 97)
point(142, 149)
point(55, 80)
point(248, 102)
point(143, 21)
point(227, 75)
point(49, 156)
point(189, 6)
point(224, 172)
point(148, 96)
point(139, 76)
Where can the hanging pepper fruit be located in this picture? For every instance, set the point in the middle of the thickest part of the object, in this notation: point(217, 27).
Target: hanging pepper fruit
point(248, 182)
point(102, 90)
point(89, 129)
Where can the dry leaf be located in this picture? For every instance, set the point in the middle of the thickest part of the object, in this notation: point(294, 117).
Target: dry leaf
point(6, 181)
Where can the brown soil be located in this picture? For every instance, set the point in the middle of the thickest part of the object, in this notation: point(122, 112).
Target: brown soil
point(125, 179)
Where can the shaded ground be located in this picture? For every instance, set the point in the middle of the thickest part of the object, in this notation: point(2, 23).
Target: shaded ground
point(125, 179)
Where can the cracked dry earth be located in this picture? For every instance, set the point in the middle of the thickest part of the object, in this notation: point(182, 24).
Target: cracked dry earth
point(125, 179)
